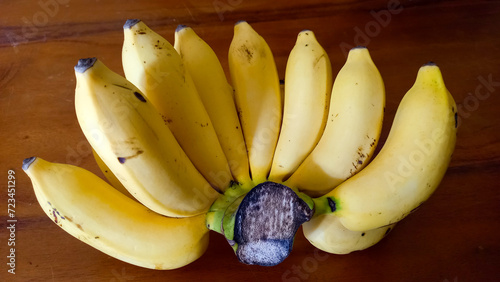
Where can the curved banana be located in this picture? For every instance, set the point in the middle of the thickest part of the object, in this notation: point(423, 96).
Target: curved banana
point(308, 85)
point(327, 233)
point(411, 163)
point(152, 64)
point(91, 210)
point(352, 130)
point(126, 131)
point(258, 97)
point(217, 96)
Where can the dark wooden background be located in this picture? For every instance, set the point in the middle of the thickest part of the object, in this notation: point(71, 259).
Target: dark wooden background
point(452, 237)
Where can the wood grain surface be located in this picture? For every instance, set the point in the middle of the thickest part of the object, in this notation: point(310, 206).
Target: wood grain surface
point(454, 236)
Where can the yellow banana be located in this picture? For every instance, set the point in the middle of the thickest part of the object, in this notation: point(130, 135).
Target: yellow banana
point(327, 233)
point(152, 64)
point(91, 210)
point(352, 130)
point(308, 85)
point(258, 99)
point(411, 163)
point(126, 131)
point(217, 96)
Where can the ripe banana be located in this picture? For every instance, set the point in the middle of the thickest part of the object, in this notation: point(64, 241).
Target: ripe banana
point(411, 163)
point(217, 96)
point(126, 131)
point(258, 98)
point(352, 130)
point(308, 85)
point(327, 233)
point(152, 64)
point(91, 210)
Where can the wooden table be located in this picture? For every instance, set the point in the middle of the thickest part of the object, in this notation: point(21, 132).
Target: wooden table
point(453, 237)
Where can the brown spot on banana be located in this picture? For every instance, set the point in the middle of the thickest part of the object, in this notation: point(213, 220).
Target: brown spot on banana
point(122, 160)
point(245, 51)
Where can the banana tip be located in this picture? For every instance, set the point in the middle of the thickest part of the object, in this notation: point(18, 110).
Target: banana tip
point(429, 64)
point(240, 21)
point(359, 47)
point(130, 23)
point(85, 64)
point(27, 162)
point(180, 27)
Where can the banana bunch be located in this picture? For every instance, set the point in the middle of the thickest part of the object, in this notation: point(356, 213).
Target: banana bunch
point(187, 152)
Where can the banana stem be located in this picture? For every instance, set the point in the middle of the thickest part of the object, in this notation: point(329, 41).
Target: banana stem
point(324, 205)
point(260, 224)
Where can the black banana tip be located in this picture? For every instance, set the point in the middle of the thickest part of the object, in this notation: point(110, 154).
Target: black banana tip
point(359, 47)
point(429, 64)
point(130, 23)
point(27, 162)
point(240, 21)
point(180, 27)
point(85, 64)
